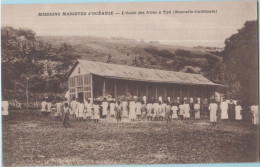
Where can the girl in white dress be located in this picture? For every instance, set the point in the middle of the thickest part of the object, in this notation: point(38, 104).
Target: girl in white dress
point(73, 106)
point(155, 111)
point(5, 106)
point(213, 112)
point(138, 107)
point(44, 106)
point(149, 108)
point(255, 114)
point(197, 110)
point(186, 107)
point(124, 107)
point(96, 112)
point(112, 109)
point(238, 109)
point(104, 108)
point(81, 111)
point(181, 112)
point(132, 107)
point(224, 110)
point(174, 111)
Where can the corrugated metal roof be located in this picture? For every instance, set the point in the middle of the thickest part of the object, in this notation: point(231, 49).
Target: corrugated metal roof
point(143, 74)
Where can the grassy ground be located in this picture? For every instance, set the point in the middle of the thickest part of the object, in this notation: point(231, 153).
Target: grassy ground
point(30, 139)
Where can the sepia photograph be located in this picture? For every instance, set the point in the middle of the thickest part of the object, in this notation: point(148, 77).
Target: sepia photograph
point(130, 83)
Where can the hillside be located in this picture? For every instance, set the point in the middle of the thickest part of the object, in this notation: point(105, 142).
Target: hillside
point(132, 52)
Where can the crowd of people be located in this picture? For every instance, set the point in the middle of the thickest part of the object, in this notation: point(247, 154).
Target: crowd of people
point(142, 109)
point(151, 110)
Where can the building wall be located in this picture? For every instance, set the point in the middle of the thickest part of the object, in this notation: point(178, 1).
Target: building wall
point(118, 87)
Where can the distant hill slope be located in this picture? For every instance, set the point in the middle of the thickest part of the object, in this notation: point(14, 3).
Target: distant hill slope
point(132, 52)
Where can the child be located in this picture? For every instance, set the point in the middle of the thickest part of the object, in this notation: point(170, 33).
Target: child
point(73, 106)
point(186, 107)
point(149, 108)
point(138, 107)
point(5, 112)
point(132, 114)
point(197, 110)
point(213, 112)
point(224, 110)
point(174, 111)
point(238, 109)
point(118, 112)
point(181, 112)
point(168, 112)
point(49, 105)
point(155, 111)
point(124, 107)
point(143, 110)
point(66, 112)
point(96, 112)
point(81, 111)
point(44, 106)
point(255, 114)
point(112, 109)
point(58, 107)
point(104, 108)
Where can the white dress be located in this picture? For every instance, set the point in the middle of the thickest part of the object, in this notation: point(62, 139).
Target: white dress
point(213, 112)
point(174, 112)
point(181, 107)
point(255, 114)
point(73, 105)
point(96, 112)
point(155, 109)
point(197, 110)
point(77, 109)
point(104, 107)
point(224, 110)
point(138, 107)
point(5, 106)
point(124, 106)
point(238, 109)
point(149, 108)
point(186, 110)
point(132, 106)
point(49, 107)
point(112, 109)
point(43, 109)
point(81, 110)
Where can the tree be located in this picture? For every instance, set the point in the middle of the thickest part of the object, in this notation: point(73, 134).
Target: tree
point(240, 57)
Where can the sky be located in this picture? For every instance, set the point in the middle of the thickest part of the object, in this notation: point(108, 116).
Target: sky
point(205, 29)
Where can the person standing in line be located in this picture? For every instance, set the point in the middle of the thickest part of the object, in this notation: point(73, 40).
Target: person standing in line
point(5, 110)
point(155, 110)
point(163, 111)
point(49, 105)
point(81, 111)
point(174, 109)
point(77, 109)
point(124, 107)
point(168, 112)
point(213, 112)
point(231, 110)
point(118, 111)
point(149, 108)
point(143, 110)
point(66, 112)
point(58, 112)
point(181, 110)
point(238, 110)
point(44, 107)
point(138, 108)
point(224, 110)
point(186, 107)
point(112, 106)
point(132, 114)
point(255, 114)
point(73, 105)
point(96, 112)
point(197, 109)
point(104, 108)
